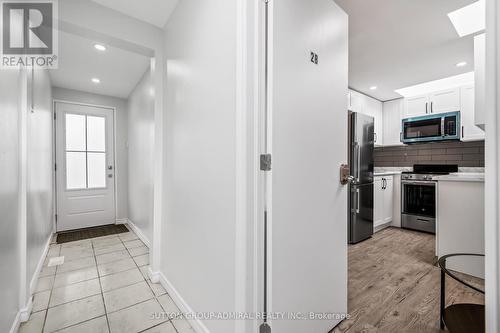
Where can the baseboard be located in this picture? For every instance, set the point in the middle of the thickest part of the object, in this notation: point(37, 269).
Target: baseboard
point(382, 227)
point(121, 221)
point(15, 325)
point(39, 267)
point(139, 233)
point(196, 323)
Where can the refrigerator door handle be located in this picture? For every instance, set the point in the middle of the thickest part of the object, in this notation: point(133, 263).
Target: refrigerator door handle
point(357, 201)
point(358, 162)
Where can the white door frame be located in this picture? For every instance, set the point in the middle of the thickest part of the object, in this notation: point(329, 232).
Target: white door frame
point(55, 101)
point(492, 179)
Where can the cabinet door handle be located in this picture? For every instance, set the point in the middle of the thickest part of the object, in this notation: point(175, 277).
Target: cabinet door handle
point(375, 137)
point(463, 132)
point(432, 107)
point(427, 107)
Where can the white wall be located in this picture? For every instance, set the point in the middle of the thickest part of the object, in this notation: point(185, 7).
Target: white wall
point(40, 215)
point(9, 190)
point(198, 238)
point(140, 155)
point(121, 129)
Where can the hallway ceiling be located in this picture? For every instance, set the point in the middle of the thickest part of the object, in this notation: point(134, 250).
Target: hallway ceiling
point(156, 12)
point(399, 43)
point(119, 71)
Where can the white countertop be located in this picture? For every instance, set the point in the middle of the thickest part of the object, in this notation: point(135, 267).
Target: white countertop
point(462, 177)
point(386, 173)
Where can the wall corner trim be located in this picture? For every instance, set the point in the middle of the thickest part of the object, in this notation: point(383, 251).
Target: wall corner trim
point(15, 325)
point(24, 313)
point(196, 323)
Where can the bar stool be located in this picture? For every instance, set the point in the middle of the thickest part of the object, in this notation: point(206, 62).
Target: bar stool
point(467, 318)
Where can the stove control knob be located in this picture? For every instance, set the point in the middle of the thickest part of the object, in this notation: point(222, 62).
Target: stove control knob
point(425, 177)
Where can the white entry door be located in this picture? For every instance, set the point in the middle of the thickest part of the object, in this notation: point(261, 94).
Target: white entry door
point(308, 134)
point(84, 166)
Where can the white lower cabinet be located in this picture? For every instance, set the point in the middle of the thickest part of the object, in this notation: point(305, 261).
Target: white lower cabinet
point(383, 200)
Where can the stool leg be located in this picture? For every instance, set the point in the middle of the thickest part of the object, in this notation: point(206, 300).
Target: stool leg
point(442, 305)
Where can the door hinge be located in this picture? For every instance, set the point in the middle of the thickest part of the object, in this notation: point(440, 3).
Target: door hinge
point(55, 167)
point(265, 162)
point(265, 328)
point(54, 116)
point(56, 217)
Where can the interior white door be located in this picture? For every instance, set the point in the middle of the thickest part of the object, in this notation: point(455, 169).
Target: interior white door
point(85, 166)
point(308, 134)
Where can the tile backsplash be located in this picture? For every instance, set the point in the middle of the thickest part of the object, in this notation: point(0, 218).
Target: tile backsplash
point(465, 154)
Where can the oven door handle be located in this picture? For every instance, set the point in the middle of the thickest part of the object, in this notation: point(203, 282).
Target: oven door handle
point(425, 183)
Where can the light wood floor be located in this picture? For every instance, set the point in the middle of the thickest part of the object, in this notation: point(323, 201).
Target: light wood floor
point(394, 285)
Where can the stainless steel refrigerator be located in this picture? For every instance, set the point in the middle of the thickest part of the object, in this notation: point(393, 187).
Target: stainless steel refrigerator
point(361, 141)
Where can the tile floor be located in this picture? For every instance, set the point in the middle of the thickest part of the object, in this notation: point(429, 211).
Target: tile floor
point(102, 287)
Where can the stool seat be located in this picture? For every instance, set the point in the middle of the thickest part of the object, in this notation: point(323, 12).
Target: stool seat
point(467, 318)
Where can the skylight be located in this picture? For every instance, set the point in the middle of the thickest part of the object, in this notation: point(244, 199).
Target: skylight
point(469, 19)
point(432, 86)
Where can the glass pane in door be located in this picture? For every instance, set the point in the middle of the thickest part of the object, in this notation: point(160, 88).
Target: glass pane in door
point(76, 177)
point(75, 132)
point(96, 166)
point(96, 134)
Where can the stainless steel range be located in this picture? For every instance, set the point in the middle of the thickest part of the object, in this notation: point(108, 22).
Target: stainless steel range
point(418, 191)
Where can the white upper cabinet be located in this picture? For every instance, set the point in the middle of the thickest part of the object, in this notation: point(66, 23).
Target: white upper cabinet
point(445, 101)
point(374, 108)
point(358, 102)
point(438, 102)
point(392, 114)
point(480, 80)
point(470, 132)
point(416, 106)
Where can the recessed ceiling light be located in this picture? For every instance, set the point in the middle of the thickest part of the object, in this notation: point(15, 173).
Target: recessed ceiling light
point(100, 47)
point(373, 88)
point(461, 64)
point(469, 19)
point(96, 80)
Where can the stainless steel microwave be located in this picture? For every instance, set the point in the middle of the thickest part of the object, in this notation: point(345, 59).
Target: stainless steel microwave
point(428, 128)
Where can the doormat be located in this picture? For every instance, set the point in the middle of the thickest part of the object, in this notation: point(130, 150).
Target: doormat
point(87, 233)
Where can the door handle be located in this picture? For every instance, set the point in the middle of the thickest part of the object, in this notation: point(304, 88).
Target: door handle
point(357, 201)
point(345, 177)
